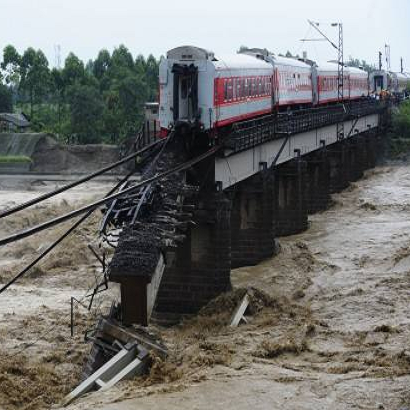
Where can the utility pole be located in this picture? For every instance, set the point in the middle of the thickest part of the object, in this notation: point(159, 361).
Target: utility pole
point(387, 52)
point(380, 61)
point(340, 68)
point(340, 64)
point(401, 65)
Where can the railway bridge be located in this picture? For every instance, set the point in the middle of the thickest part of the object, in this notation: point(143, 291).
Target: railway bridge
point(197, 213)
point(268, 175)
point(194, 214)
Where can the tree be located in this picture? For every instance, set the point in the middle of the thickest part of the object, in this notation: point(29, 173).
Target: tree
point(121, 57)
point(73, 71)
point(11, 65)
point(355, 62)
point(6, 99)
point(401, 121)
point(152, 67)
point(101, 64)
point(35, 76)
point(86, 108)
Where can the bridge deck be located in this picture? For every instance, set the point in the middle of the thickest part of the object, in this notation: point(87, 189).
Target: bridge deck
point(233, 167)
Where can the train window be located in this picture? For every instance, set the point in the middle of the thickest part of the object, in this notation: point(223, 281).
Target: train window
point(238, 89)
point(230, 90)
point(225, 89)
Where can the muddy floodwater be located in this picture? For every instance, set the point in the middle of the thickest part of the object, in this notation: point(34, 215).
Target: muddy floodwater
point(328, 326)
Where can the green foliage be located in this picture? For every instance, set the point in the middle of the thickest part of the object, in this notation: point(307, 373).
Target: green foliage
point(101, 101)
point(6, 99)
point(355, 62)
point(401, 121)
point(11, 65)
point(8, 159)
point(35, 78)
point(86, 110)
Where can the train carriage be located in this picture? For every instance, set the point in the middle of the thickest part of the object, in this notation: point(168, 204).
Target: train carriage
point(327, 83)
point(242, 89)
point(198, 88)
point(358, 83)
point(399, 82)
point(293, 82)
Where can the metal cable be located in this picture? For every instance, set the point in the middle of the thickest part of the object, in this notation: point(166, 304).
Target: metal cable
point(60, 239)
point(94, 205)
point(48, 195)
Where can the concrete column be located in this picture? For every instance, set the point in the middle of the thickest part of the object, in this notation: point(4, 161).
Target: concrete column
point(339, 166)
point(201, 266)
point(290, 184)
point(356, 157)
point(318, 181)
point(252, 227)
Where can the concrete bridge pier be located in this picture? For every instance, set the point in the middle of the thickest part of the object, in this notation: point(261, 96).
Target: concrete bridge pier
point(317, 181)
point(290, 189)
point(370, 148)
point(252, 222)
point(201, 266)
point(338, 167)
point(356, 151)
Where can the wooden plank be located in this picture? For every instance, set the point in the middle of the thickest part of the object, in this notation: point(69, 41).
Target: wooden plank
point(240, 311)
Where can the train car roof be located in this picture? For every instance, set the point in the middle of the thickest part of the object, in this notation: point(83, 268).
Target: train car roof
point(293, 62)
point(330, 67)
point(238, 61)
point(357, 70)
point(399, 75)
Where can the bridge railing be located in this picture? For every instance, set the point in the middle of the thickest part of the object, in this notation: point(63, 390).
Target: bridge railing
point(254, 132)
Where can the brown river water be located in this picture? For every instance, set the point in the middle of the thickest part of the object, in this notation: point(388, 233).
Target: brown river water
point(328, 326)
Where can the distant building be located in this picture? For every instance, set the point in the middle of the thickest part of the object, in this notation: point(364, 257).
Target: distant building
point(14, 122)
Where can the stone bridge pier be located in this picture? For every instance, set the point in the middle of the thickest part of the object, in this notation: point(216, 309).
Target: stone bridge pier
point(239, 226)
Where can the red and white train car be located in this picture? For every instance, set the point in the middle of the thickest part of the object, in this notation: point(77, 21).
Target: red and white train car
point(355, 83)
point(242, 89)
point(292, 82)
point(198, 89)
point(292, 79)
point(358, 83)
point(326, 75)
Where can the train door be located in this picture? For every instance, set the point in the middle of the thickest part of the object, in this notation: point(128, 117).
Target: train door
point(378, 85)
point(185, 106)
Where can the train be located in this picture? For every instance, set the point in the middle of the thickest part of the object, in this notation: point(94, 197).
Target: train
point(198, 89)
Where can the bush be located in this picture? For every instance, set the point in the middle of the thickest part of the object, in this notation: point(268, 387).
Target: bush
point(401, 121)
point(14, 159)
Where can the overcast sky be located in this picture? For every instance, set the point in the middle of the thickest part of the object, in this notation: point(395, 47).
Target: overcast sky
point(155, 26)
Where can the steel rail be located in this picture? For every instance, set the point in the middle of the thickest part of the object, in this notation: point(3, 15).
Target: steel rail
point(38, 228)
point(64, 188)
